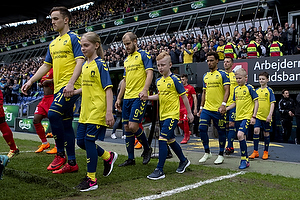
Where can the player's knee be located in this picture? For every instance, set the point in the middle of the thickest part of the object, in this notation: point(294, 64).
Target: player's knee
point(133, 127)
point(170, 141)
point(231, 124)
point(256, 131)
point(266, 134)
point(81, 143)
point(203, 128)
point(240, 135)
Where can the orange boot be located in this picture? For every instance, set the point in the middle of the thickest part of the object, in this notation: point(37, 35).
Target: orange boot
point(255, 154)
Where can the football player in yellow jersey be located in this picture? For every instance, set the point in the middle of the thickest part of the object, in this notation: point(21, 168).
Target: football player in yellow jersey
point(246, 101)
point(266, 100)
point(230, 115)
point(95, 116)
point(170, 89)
point(214, 97)
point(65, 57)
point(138, 74)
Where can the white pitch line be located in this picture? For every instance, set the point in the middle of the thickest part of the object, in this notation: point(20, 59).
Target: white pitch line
point(189, 187)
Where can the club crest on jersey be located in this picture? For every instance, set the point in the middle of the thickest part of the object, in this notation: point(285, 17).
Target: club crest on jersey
point(244, 92)
point(93, 73)
point(217, 76)
point(168, 85)
point(136, 57)
point(266, 94)
point(65, 42)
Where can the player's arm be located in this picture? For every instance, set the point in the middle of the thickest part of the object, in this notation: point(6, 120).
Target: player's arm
point(269, 118)
point(222, 108)
point(253, 118)
point(144, 93)
point(69, 89)
point(195, 103)
point(38, 75)
point(202, 103)
point(188, 108)
point(109, 104)
point(78, 91)
point(230, 106)
point(120, 95)
point(153, 97)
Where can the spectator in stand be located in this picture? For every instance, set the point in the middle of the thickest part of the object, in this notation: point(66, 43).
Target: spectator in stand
point(220, 49)
point(15, 91)
point(174, 53)
point(291, 33)
point(188, 54)
point(196, 56)
point(243, 53)
point(3, 86)
point(253, 49)
point(203, 54)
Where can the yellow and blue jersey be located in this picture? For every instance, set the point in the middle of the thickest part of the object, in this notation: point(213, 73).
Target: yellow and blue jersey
point(95, 80)
point(169, 91)
point(135, 66)
point(244, 97)
point(61, 55)
point(213, 84)
point(265, 98)
point(233, 84)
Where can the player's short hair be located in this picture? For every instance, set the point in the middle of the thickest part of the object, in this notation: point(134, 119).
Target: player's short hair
point(265, 74)
point(131, 35)
point(63, 11)
point(283, 91)
point(214, 54)
point(94, 38)
point(241, 71)
point(163, 54)
point(184, 76)
point(228, 57)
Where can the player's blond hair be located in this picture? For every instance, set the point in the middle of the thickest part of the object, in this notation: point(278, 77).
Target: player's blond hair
point(94, 38)
point(241, 72)
point(162, 55)
point(131, 35)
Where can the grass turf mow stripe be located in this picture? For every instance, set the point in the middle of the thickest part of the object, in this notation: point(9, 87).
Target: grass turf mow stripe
point(189, 187)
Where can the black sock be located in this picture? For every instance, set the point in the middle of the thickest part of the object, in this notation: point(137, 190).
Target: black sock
point(72, 162)
point(207, 150)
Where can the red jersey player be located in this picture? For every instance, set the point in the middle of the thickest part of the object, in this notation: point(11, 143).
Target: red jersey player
point(183, 121)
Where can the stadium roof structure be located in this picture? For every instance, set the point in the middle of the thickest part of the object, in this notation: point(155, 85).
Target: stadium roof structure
point(19, 10)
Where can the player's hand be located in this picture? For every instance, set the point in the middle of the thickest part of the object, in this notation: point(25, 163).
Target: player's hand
point(252, 121)
point(143, 95)
point(222, 109)
point(199, 113)
point(26, 87)
point(109, 119)
point(195, 111)
point(68, 90)
point(269, 119)
point(118, 105)
point(190, 116)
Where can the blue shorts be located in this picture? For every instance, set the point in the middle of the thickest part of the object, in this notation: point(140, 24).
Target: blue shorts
point(230, 115)
point(218, 119)
point(242, 125)
point(167, 128)
point(266, 126)
point(133, 110)
point(62, 105)
point(90, 132)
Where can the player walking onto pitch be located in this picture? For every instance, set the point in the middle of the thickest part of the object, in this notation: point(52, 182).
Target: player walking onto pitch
point(170, 89)
point(65, 57)
point(230, 115)
point(213, 102)
point(246, 101)
point(266, 100)
point(42, 108)
point(138, 74)
point(6, 131)
point(95, 116)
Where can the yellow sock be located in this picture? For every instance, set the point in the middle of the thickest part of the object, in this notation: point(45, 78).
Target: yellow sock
point(92, 175)
point(106, 155)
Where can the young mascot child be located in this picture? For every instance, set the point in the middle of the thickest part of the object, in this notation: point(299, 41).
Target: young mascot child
point(169, 89)
point(246, 101)
point(96, 110)
point(266, 100)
